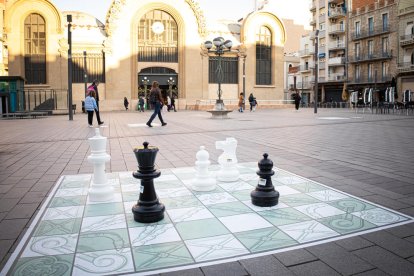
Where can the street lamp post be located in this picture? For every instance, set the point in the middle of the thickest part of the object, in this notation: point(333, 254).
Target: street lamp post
point(145, 82)
point(170, 82)
point(315, 96)
point(221, 46)
point(69, 19)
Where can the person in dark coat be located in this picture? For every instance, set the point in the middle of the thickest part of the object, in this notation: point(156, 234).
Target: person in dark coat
point(297, 99)
point(94, 86)
point(157, 101)
point(126, 103)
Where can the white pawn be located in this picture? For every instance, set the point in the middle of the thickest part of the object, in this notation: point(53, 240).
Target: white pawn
point(228, 160)
point(203, 181)
point(100, 189)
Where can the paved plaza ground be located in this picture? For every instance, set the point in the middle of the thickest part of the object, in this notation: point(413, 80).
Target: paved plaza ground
point(366, 155)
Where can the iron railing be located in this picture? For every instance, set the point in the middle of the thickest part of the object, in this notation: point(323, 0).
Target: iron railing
point(46, 99)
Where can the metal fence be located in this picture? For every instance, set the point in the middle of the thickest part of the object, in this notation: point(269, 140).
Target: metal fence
point(45, 99)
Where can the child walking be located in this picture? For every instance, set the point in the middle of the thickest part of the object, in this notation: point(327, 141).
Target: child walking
point(90, 106)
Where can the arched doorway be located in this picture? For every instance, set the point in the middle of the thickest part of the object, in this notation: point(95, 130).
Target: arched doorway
point(166, 77)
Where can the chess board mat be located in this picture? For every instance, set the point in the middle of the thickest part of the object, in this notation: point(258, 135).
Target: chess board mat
point(73, 236)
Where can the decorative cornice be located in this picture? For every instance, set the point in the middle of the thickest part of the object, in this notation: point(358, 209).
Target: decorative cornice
point(201, 21)
point(117, 6)
point(112, 15)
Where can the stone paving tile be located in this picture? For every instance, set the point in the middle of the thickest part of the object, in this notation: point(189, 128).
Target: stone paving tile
point(408, 211)
point(385, 261)
point(265, 266)
point(22, 211)
point(391, 243)
point(339, 259)
point(226, 269)
point(402, 231)
point(295, 257)
point(316, 268)
point(374, 272)
point(7, 204)
point(354, 243)
point(11, 228)
point(5, 246)
point(189, 272)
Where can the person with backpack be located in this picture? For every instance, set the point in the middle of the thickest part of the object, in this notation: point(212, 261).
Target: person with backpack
point(252, 102)
point(157, 101)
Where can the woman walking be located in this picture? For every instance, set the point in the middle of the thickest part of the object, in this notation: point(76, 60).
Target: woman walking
point(156, 100)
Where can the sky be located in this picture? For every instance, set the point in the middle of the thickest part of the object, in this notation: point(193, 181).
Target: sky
point(298, 10)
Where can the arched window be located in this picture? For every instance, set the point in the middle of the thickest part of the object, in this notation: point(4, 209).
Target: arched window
point(157, 37)
point(35, 49)
point(264, 56)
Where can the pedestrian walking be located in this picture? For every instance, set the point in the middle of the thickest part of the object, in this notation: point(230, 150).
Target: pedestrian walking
point(94, 87)
point(241, 102)
point(141, 104)
point(90, 106)
point(126, 103)
point(173, 103)
point(252, 102)
point(168, 103)
point(156, 100)
point(297, 99)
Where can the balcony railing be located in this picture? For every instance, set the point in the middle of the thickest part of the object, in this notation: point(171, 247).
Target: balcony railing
point(365, 33)
point(375, 56)
point(306, 52)
point(336, 61)
point(337, 45)
point(337, 28)
point(308, 67)
point(407, 39)
point(336, 12)
point(371, 79)
point(405, 67)
point(304, 85)
point(336, 77)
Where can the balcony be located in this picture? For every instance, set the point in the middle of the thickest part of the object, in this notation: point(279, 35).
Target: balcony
point(336, 29)
point(306, 68)
point(366, 33)
point(336, 61)
point(312, 6)
point(336, 12)
point(336, 77)
point(337, 45)
point(370, 79)
point(375, 56)
point(306, 52)
point(305, 85)
point(405, 67)
point(407, 40)
point(335, 1)
point(312, 22)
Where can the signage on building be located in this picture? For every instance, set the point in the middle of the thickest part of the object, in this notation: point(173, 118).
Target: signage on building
point(321, 55)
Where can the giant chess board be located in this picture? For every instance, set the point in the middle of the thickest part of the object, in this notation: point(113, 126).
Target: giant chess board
point(73, 236)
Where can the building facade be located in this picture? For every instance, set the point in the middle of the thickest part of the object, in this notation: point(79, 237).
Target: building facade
point(140, 42)
point(405, 68)
point(373, 46)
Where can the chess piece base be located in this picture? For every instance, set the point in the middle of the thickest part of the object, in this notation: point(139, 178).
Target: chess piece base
point(99, 192)
point(203, 185)
point(264, 198)
point(148, 214)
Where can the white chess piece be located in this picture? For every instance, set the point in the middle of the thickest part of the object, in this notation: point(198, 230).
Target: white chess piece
point(228, 160)
point(203, 181)
point(100, 189)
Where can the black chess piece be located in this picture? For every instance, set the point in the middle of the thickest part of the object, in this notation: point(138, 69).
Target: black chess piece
point(265, 194)
point(148, 208)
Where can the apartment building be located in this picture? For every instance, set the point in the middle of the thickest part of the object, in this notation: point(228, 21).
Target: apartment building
point(372, 44)
point(405, 67)
point(329, 20)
